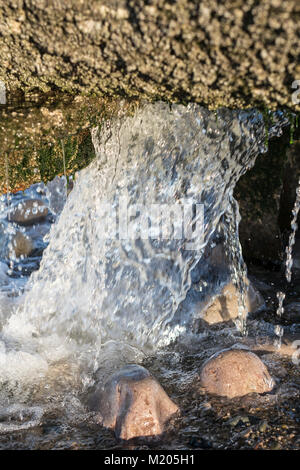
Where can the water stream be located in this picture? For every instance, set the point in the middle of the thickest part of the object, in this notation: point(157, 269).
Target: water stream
point(288, 263)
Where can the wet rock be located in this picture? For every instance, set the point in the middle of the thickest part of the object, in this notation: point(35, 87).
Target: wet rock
point(28, 212)
point(133, 404)
point(19, 417)
point(263, 426)
point(235, 372)
point(21, 245)
point(225, 306)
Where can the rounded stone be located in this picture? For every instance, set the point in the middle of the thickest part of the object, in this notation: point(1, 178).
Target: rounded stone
point(28, 212)
point(234, 373)
point(133, 403)
point(225, 306)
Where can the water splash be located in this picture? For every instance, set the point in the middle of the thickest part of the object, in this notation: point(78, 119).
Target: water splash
point(291, 243)
point(91, 292)
point(8, 196)
point(288, 264)
point(62, 143)
point(237, 265)
point(19, 418)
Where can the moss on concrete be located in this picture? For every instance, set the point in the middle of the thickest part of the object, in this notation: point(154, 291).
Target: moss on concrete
point(32, 128)
point(70, 65)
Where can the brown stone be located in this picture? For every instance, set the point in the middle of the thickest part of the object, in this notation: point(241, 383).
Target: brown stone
point(133, 403)
point(28, 212)
point(234, 373)
point(225, 306)
point(21, 245)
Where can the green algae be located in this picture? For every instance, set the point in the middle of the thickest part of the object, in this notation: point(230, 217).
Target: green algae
point(32, 127)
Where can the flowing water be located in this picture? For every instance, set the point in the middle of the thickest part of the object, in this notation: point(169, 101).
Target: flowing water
point(288, 263)
point(102, 298)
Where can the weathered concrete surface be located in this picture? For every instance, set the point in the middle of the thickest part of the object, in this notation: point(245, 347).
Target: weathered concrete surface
point(233, 53)
point(28, 212)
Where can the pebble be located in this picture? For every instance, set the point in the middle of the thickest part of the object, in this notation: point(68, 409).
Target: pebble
point(238, 419)
point(235, 372)
point(28, 212)
point(263, 426)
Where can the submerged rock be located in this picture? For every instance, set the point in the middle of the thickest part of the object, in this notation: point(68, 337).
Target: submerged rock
point(133, 403)
point(28, 212)
point(225, 306)
point(296, 254)
point(21, 245)
point(234, 373)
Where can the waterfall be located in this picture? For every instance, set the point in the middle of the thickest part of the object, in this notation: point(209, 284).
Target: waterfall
point(95, 286)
